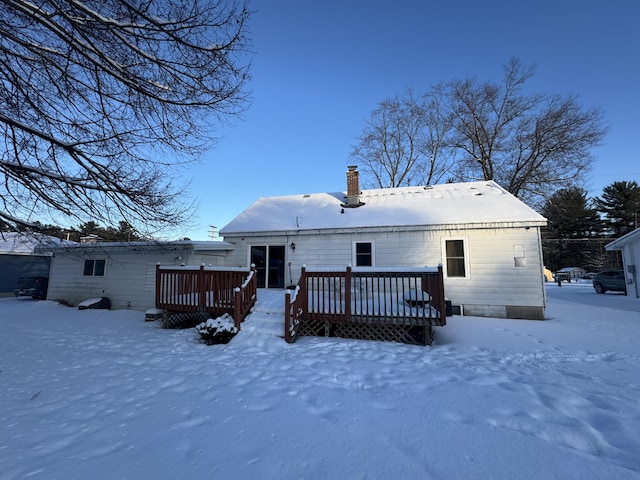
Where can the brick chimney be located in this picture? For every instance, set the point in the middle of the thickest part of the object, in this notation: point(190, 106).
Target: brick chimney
point(353, 187)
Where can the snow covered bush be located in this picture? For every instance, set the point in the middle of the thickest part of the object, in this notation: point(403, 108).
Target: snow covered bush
point(217, 330)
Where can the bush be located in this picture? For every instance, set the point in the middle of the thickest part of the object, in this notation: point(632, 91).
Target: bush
point(217, 330)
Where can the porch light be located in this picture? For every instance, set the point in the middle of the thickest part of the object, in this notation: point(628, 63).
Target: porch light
point(293, 246)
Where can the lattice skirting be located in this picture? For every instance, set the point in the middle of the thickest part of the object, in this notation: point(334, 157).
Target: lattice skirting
point(422, 335)
point(183, 319)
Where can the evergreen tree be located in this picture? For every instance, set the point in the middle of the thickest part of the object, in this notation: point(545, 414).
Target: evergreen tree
point(570, 214)
point(620, 205)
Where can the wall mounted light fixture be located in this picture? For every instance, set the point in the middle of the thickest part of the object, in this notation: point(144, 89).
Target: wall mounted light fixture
point(293, 246)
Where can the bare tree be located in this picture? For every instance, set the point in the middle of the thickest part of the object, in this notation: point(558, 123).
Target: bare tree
point(99, 99)
point(531, 144)
point(402, 141)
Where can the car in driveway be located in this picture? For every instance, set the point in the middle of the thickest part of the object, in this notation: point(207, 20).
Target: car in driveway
point(34, 287)
point(610, 280)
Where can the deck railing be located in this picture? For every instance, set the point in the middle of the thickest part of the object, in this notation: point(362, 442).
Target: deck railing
point(213, 290)
point(408, 297)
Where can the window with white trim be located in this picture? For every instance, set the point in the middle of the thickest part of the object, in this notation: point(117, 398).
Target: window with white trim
point(455, 263)
point(94, 268)
point(519, 257)
point(363, 254)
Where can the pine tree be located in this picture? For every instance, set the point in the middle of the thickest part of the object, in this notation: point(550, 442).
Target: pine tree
point(620, 205)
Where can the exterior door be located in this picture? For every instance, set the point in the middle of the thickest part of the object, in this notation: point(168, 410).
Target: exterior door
point(269, 262)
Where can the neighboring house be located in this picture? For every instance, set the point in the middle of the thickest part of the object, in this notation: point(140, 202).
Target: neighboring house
point(124, 272)
point(487, 240)
point(629, 245)
point(18, 260)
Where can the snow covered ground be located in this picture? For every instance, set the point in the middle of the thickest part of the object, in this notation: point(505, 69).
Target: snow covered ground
point(105, 395)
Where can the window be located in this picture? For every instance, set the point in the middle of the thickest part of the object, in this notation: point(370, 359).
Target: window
point(94, 268)
point(518, 256)
point(364, 254)
point(454, 253)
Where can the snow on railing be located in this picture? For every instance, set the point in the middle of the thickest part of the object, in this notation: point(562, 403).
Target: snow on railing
point(388, 295)
point(213, 290)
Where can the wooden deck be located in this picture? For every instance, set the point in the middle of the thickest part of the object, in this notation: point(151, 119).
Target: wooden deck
point(382, 304)
point(211, 290)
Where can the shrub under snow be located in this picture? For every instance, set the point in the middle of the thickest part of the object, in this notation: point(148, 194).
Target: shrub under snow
point(217, 330)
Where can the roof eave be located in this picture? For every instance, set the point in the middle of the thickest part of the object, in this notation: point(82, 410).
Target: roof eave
point(386, 228)
point(619, 243)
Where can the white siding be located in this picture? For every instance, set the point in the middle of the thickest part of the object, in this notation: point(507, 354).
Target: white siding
point(494, 282)
point(217, 260)
point(635, 248)
point(631, 256)
point(129, 280)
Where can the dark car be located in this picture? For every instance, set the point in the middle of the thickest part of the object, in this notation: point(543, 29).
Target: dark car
point(610, 280)
point(34, 287)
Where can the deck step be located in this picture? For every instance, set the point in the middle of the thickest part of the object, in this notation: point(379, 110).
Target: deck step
point(267, 315)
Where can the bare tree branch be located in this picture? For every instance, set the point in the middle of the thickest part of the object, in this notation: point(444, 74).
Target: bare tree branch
point(402, 142)
point(101, 99)
point(531, 144)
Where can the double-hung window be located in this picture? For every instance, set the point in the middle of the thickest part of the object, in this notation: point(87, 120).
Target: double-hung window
point(455, 258)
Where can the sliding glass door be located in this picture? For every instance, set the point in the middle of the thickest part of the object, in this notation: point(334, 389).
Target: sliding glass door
point(269, 262)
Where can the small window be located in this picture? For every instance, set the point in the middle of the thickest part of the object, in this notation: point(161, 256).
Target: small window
point(94, 268)
point(518, 256)
point(454, 252)
point(364, 254)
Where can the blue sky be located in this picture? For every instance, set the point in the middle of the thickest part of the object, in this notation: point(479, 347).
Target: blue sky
point(321, 67)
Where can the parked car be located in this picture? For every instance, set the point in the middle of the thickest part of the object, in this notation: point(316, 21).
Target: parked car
point(610, 280)
point(568, 274)
point(562, 277)
point(34, 287)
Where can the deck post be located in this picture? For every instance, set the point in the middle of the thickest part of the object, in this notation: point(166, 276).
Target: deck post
point(237, 308)
point(441, 301)
point(201, 290)
point(157, 284)
point(303, 289)
point(287, 317)
point(347, 294)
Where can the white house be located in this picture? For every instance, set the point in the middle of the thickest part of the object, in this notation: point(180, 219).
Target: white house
point(124, 272)
point(629, 245)
point(487, 240)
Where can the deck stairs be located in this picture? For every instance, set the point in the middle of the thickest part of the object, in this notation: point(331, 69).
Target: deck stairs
point(267, 315)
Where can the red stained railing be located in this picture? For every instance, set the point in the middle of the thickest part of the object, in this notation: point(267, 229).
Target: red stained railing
point(212, 290)
point(392, 296)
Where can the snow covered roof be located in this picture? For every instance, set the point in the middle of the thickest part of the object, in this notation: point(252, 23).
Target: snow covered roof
point(17, 243)
point(144, 245)
point(471, 203)
point(630, 237)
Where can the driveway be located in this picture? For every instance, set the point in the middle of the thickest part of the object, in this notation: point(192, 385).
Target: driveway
point(582, 292)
